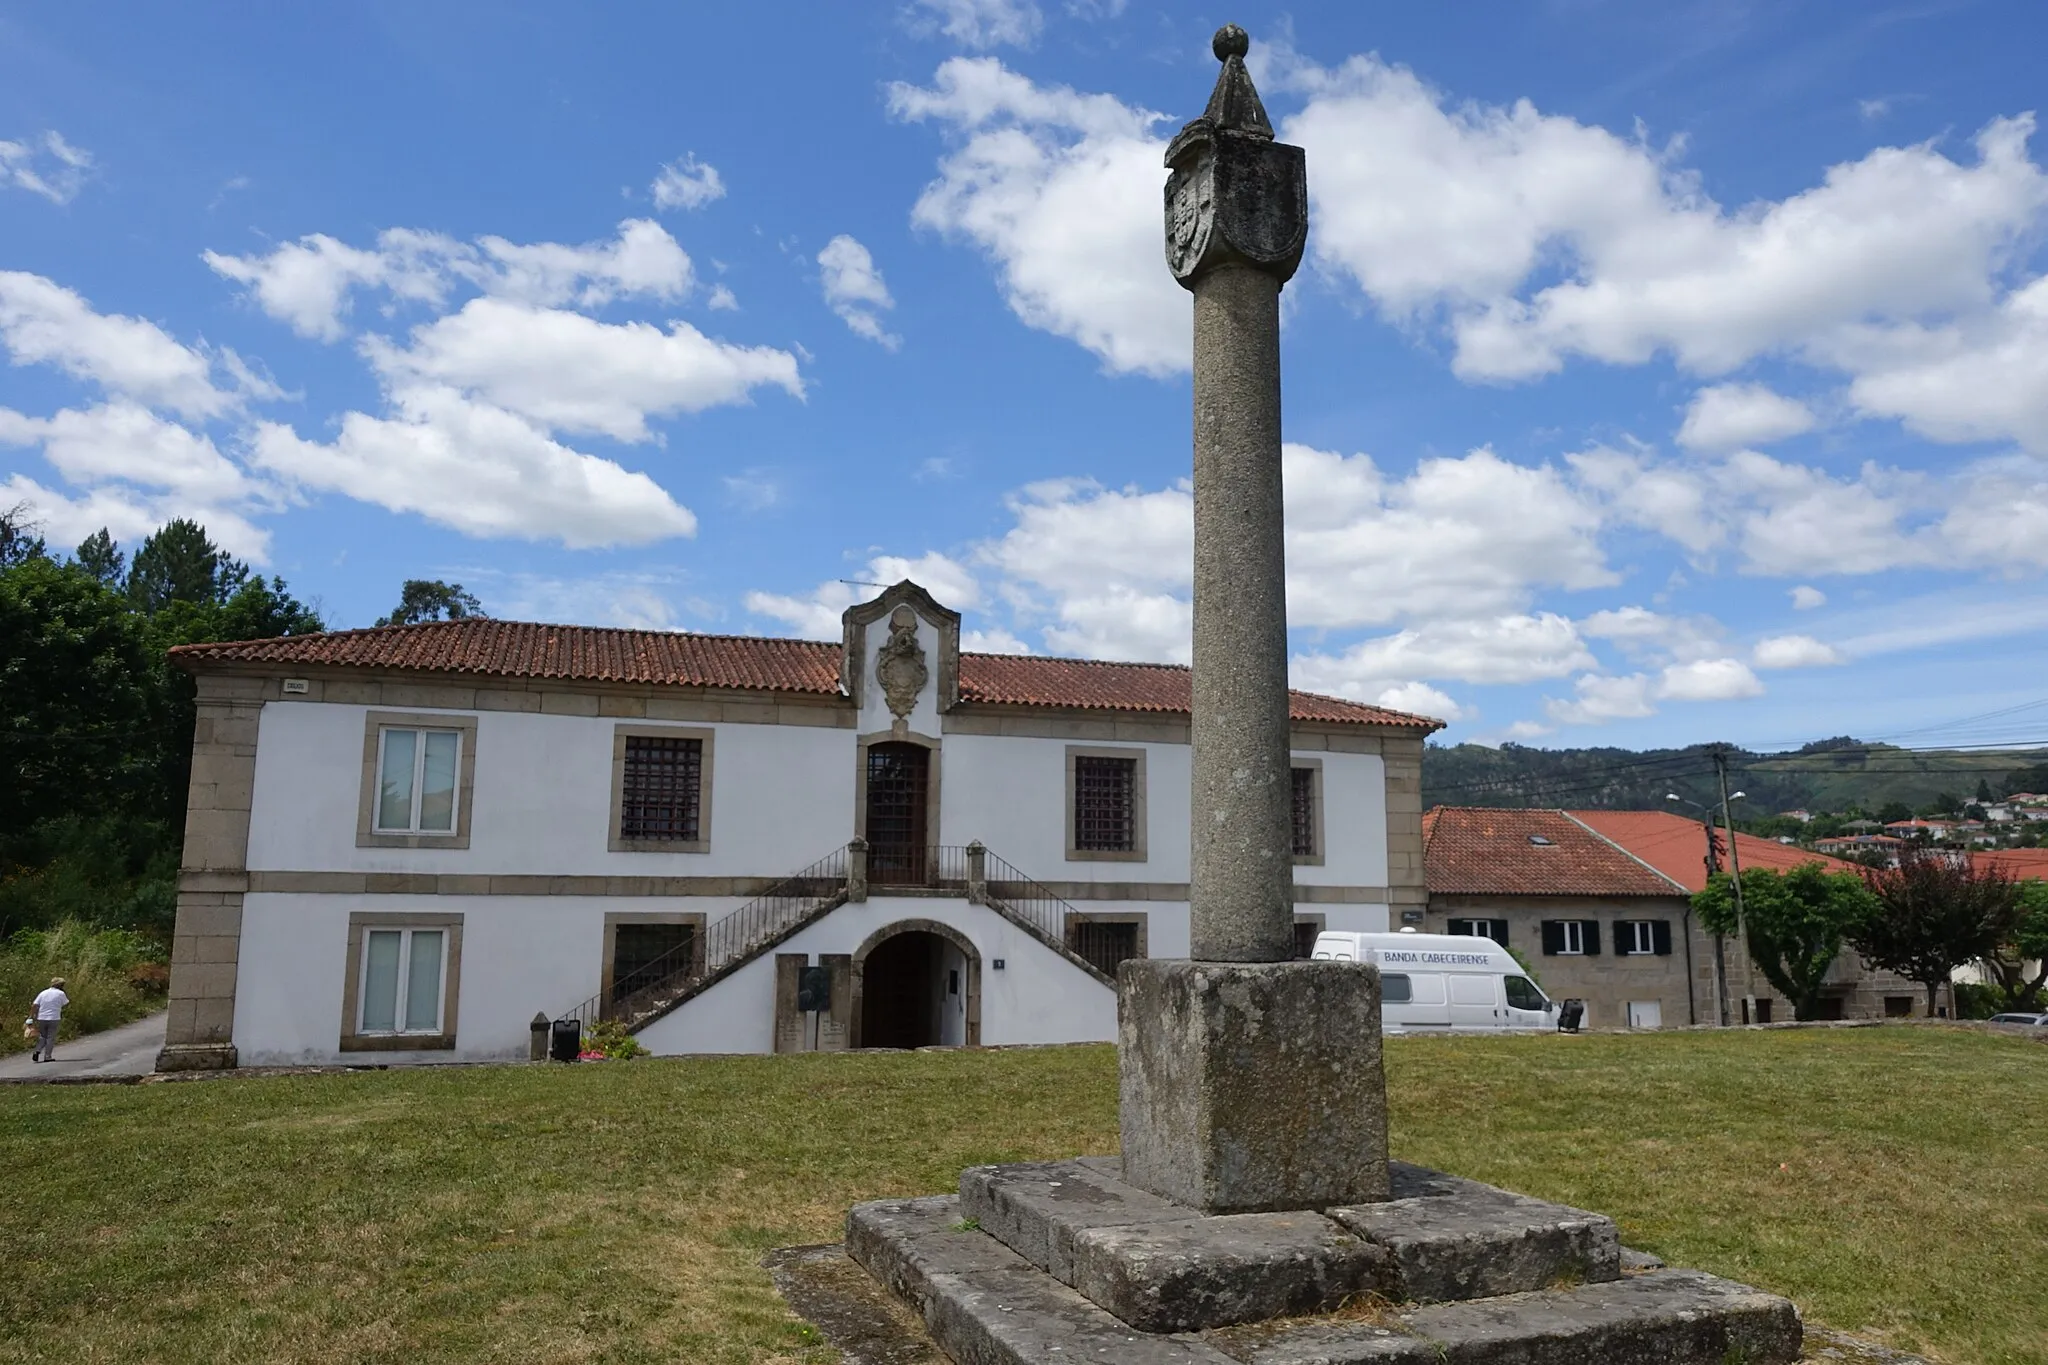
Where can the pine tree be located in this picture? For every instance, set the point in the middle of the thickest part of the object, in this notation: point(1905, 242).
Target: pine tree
point(429, 599)
point(100, 556)
point(181, 564)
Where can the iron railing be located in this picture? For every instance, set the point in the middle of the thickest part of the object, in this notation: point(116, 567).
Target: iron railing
point(1029, 902)
point(726, 940)
point(939, 866)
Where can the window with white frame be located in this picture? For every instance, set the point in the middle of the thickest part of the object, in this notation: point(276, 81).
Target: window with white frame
point(1638, 937)
point(1570, 937)
point(416, 780)
point(404, 979)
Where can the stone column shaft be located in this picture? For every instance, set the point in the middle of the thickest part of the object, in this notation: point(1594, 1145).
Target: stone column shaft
point(1241, 880)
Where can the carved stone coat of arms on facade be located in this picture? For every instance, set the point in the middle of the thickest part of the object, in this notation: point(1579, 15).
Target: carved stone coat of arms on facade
point(899, 664)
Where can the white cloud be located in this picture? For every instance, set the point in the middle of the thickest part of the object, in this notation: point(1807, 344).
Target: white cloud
point(1731, 415)
point(479, 469)
point(1061, 191)
point(722, 300)
point(1644, 634)
point(634, 599)
point(308, 284)
point(1598, 698)
point(1795, 651)
point(124, 443)
point(854, 289)
point(574, 374)
point(129, 514)
point(817, 616)
point(1506, 649)
point(753, 490)
point(1423, 700)
point(994, 640)
point(1673, 501)
point(1982, 378)
point(1708, 680)
point(46, 165)
point(686, 184)
point(41, 322)
point(1805, 598)
point(979, 23)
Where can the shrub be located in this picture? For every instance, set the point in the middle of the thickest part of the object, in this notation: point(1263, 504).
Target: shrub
point(609, 1037)
point(98, 966)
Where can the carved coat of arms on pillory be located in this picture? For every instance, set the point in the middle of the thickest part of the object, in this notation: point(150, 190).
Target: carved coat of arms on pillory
point(900, 666)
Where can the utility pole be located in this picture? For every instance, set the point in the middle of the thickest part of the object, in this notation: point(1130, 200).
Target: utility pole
point(1735, 868)
point(1720, 940)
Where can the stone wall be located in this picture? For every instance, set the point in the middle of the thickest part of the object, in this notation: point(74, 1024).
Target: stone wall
point(206, 944)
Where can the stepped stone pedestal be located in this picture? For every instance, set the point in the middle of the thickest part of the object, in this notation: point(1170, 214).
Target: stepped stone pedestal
point(1063, 1261)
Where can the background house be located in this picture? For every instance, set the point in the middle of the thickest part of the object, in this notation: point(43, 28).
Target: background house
point(1599, 902)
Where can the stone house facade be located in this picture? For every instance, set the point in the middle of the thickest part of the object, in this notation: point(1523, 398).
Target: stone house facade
point(405, 843)
point(1599, 903)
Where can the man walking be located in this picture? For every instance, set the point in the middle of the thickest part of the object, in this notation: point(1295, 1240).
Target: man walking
point(49, 1012)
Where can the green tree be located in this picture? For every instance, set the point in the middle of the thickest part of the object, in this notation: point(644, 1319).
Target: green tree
point(99, 556)
point(2027, 943)
point(1797, 922)
point(1935, 912)
point(256, 610)
point(18, 538)
point(429, 599)
point(2034, 779)
point(180, 563)
point(73, 694)
point(1983, 792)
point(1893, 811)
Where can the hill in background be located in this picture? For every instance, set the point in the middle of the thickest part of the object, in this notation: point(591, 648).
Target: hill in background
point(1828, 775)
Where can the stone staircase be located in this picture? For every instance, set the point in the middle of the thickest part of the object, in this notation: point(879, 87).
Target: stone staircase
point(803, 898)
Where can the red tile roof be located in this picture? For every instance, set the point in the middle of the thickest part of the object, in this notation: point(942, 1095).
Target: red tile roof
point(1476, 850)
point(518, 649)
point(1677, 847)
point(2014, 862)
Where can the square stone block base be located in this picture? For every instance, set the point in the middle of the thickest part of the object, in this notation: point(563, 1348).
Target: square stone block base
point(1252, 1087)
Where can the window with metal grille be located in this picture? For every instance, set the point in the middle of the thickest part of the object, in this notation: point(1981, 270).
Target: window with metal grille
point(1103, 945)
point(662, 788)
point(1305, 931)
point(1304, 812)
point(1105, 804)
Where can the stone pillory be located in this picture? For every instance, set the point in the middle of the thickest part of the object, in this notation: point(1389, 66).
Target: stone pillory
point(1248, 1082)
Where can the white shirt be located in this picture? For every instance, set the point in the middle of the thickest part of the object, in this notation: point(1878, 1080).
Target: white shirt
point(50, 1004)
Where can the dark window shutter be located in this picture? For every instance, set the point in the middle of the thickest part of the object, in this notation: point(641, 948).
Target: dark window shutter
point(1660, 934)
point(1459, 928)
point(1591, 929)
point(1500, 932)
point(1553, 937)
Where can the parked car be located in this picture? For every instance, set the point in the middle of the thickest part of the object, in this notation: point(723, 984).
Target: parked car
point(2037, 1020)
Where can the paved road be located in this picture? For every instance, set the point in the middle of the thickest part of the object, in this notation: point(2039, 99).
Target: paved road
point(129, 1050)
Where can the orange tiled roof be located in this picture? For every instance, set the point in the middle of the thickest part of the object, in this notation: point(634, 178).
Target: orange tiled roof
point(1677, 847)
point(2014, 862)
point(1477, 850)
point(519, 649)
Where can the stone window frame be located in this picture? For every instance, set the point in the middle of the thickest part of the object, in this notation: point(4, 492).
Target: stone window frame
point(614, 841)
point(360, 921)
point(1141, 918)
point(696, 919)
point(1319, 919)
point(1138, 852)
point(1315, 805)
point(374, 725)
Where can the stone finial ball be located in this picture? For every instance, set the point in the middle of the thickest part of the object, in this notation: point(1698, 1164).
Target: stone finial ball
point(1230, 41)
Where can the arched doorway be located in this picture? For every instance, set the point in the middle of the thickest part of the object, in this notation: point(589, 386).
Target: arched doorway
point(918, 984)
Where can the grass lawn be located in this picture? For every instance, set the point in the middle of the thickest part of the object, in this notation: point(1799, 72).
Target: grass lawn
point(1890, 1180)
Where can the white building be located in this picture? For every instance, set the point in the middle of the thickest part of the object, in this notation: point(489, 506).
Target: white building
point(404, 843)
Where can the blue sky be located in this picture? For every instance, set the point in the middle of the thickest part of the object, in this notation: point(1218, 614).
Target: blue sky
point(1658, 373)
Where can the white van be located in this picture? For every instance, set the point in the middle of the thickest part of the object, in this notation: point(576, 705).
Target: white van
point(1443, 981)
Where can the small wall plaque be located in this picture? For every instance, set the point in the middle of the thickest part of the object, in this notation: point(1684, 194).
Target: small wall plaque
point(295, 687)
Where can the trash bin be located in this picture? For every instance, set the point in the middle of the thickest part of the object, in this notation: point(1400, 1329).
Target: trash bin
point(1569, 1014)
point(567, 1040)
